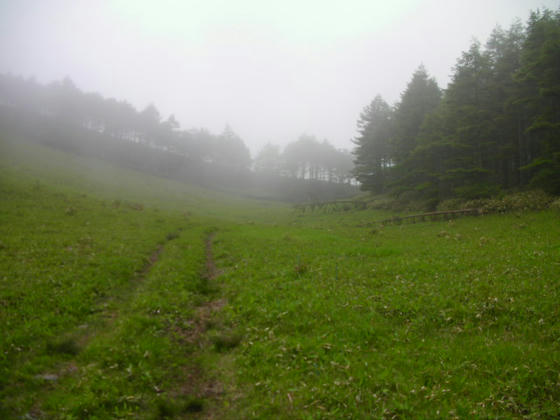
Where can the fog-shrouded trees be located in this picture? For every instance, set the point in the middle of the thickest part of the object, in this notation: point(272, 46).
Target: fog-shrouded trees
point(496, 126)
point(64, 103)
point(387, 136)
point(421, 96)
point(373, 154)
point(61, 115)
point(306, 158)
point(230, 151)
point(269, 160)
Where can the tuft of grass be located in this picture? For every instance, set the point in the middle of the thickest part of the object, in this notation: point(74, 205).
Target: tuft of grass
point(301, 268)
point(167, 408)
point(171, 236)
point(204, 286)
point(193, 405)
point(226, 340)
point(67, 346)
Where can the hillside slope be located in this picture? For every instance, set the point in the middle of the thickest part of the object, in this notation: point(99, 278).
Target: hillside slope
point(124, 294)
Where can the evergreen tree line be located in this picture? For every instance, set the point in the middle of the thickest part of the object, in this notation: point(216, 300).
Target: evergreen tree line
point(306, 158)
point(66, 105)
point(496, 126)
point(61, 115)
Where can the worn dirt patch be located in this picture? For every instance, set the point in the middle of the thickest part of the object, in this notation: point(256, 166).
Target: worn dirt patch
point(197, 383)
point(201, 321)
point(154, 257)
point(211, 271)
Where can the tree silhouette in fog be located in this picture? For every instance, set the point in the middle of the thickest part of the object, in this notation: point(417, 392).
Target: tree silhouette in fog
point(61, 115)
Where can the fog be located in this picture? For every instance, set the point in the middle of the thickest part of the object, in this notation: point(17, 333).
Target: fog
point(270, 70)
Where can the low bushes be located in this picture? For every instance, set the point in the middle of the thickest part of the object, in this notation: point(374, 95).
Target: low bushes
point(526, 200)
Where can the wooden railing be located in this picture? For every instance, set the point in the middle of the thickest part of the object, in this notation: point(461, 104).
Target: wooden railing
point(347, 205)
point(332, 205)
point(435, 215)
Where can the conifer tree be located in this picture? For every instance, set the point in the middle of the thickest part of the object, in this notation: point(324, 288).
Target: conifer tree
point(539, 79)
point(373, 152)
point(422, 96)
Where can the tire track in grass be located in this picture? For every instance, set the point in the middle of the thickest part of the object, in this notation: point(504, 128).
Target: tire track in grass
point(204, 312)
point(198, 393)
point(198, 382)
point(211, 271)
point(110, 316)
point(139, 276)
point(73, 343)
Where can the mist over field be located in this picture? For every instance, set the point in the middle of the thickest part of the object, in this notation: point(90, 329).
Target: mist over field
point(299, 209)
point(271, 70)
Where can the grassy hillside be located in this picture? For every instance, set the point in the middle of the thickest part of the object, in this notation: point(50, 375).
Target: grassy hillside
point(123, 294)
point(81, 242)
point(97, 178)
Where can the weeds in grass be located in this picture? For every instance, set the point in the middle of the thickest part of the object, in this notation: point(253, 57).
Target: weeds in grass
point(171, 236)
point(168, 408)
point(63, 346)
point(193, 405)
point(301, 268)
point(226, 340)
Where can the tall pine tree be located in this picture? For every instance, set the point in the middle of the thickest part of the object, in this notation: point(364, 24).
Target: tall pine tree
point(372, 151)
point(539, 79)
point(422, 96)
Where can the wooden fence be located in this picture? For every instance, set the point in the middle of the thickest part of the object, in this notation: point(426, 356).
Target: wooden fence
point(327, 206)
point(435, 215)
point(346, 205)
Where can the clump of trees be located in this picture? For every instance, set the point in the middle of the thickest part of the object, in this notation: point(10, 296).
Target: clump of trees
point(306, 158)
point(495, 127)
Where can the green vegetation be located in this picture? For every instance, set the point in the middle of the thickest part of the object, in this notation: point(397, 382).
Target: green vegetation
point(428, 320)
point(98, 290)
point(151, 298)
point(152, 272)
point(495, 127)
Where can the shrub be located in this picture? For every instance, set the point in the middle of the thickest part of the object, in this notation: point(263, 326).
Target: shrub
point(555, 204)
point(301, 268)
point(226, 341)
point(474, 191)
point(172, 235)
point(526, 200)
point(64, 346)
point(451, 204)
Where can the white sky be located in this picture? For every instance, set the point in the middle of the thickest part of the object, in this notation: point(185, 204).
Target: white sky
point(272, 70)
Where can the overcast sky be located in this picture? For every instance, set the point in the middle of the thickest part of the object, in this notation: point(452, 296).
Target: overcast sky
point(272, 70)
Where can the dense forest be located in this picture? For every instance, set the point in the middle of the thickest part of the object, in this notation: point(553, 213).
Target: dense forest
point(61, 115)
point(496, 127)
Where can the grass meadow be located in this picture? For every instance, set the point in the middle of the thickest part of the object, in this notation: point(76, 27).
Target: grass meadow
point(124, 295)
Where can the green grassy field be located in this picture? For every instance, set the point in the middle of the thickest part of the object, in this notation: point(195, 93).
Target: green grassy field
point(124, 295)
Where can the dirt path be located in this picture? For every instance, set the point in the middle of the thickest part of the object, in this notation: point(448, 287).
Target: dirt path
point(198, 382)
point(74, 341)
point(211, 271)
